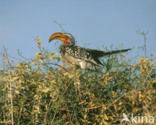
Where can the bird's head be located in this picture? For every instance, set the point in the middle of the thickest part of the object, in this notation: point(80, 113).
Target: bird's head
point(66, 38)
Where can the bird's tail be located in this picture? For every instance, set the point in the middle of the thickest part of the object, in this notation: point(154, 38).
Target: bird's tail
point(115, 52)
point(100, 53)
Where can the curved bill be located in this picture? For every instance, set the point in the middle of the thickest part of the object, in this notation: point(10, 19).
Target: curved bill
point(59, 36)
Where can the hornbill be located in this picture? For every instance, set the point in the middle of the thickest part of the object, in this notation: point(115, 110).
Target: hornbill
point(79, 56)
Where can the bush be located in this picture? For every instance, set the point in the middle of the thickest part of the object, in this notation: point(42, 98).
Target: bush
point(41, 92)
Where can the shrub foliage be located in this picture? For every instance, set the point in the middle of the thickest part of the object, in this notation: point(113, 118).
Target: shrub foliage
point(41, 92)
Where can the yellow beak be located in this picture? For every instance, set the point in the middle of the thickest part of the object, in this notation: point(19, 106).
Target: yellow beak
point(59, 36)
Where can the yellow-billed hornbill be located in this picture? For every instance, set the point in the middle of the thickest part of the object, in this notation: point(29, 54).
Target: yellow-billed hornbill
point(76, 55)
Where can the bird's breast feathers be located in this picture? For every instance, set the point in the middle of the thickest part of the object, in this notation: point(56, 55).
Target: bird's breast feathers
point(76, 61)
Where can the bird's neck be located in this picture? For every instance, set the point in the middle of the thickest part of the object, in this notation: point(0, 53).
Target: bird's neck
point(63, 48)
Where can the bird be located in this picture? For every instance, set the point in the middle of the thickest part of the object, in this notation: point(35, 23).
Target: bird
point(80, 56)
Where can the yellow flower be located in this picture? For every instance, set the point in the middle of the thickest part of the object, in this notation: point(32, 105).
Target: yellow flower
point(52, 82)
point(53, 56)
point(142, 60)
point(38, 41)
point(38, 54)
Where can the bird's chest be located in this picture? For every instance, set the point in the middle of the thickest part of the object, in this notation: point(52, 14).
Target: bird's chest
point(76, 61)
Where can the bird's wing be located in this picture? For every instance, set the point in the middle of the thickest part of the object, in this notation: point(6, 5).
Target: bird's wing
point(82, 53)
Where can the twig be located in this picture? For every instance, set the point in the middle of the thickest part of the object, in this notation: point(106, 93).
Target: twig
point(113, 101)
point(10, 84)
point(58, 66)
point(60, 25)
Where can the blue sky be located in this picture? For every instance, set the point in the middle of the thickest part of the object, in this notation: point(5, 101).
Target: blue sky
point(95, 22)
